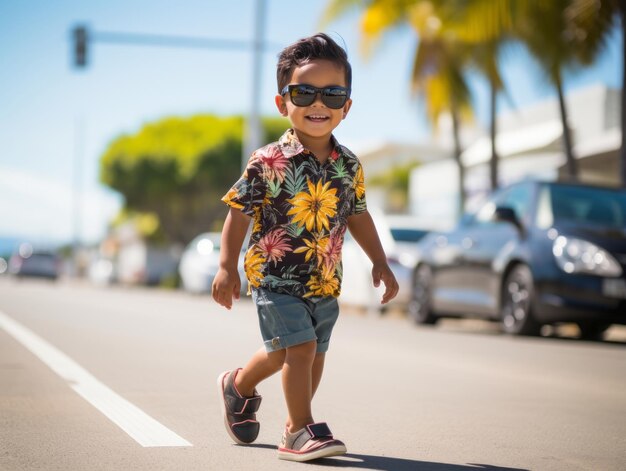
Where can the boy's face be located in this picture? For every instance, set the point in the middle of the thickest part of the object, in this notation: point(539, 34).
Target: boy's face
point(316, 120)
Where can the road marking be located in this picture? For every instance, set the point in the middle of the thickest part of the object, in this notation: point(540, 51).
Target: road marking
point(140, 426)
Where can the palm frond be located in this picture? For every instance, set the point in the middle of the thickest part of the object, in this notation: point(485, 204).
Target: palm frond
point(339, 169)
point(294, 231)
point(337, 8)
point(274, 188)
point(294, 181)
point(588, 24)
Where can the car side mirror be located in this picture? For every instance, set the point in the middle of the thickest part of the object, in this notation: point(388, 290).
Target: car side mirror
point(506, 214)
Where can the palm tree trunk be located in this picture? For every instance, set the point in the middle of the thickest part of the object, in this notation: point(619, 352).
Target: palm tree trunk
point(457, 159)
point(622, 10)
point(493, 164)
point(572, 171)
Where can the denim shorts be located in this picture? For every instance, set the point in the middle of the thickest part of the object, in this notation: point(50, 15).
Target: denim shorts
point(287, 320)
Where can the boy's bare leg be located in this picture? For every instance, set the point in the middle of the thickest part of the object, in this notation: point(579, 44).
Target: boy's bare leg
point(261, 366)
point(298, 384)
point(318, 369)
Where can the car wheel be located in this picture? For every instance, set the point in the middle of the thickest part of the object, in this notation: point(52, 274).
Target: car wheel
point(420, 305)
point(593, 330)
point(517, 297)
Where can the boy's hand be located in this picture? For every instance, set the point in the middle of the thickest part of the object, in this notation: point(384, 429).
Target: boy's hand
point(382, 272)
point(226, 286)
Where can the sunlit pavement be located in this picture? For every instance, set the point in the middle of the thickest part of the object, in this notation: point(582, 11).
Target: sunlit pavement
point(615, 334)
point(124, 378)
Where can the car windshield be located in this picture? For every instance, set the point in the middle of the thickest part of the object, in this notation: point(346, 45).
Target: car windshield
point(589, 205)
point(407, 235)
point(40, 258)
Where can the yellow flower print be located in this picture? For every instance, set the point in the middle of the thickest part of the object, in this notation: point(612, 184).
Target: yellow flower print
point(323, 284)
point(229, 199)
point(313, 208)
point(253, 264)
point(256, 227)
point(359, 183)
point(313, 248)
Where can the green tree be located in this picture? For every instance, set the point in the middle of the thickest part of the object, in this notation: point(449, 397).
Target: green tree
point(178, 168)
point(395, 182)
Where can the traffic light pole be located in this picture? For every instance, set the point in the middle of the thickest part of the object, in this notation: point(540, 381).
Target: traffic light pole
point(253, 128)
point(83, 38)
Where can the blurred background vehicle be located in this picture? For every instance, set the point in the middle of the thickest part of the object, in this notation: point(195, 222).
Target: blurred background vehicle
point(200, 262)
point(535, 253)
point(102, 271)
point(35, 263)
point(399, 235)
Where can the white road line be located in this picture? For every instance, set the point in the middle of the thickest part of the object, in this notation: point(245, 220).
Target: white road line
point(132, 420)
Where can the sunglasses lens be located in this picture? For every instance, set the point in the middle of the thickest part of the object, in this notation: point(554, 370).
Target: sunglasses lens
point(301, 95)
point(304, 95)
point(334, 97)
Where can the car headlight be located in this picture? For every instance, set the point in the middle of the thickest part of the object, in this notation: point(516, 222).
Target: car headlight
point(579, 256)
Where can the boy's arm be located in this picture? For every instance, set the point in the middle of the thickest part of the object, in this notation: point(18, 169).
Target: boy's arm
point(227, 283)
point(364, 232)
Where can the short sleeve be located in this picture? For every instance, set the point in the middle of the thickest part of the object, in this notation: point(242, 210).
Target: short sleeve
point(248, 192)
point(360, 204)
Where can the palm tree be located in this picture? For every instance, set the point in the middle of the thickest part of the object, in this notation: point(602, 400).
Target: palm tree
point(543, 33)
point(488, 25)
point(437, 65)
point(591, 22)
point(559, 33)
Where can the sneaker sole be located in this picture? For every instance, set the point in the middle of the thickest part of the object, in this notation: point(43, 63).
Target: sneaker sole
point(220, 391)
point(335, 450)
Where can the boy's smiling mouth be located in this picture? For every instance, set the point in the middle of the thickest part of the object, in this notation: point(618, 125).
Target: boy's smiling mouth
point(317, 118)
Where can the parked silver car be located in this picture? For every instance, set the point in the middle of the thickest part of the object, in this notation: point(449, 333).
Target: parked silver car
point(200, 262)
point(399, 235)
point(33, 263)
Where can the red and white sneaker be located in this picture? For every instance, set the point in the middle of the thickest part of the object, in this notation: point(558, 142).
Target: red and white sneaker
point(312, 442)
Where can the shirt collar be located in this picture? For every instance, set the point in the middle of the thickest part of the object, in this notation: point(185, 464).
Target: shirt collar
point(290, 145)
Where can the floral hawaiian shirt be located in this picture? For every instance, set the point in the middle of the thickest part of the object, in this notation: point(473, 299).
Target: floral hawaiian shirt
point(300, 210)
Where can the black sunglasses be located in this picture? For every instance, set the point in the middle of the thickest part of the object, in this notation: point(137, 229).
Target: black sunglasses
point(304, 95)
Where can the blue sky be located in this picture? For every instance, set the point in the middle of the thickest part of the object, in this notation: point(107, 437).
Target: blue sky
point(50, 112)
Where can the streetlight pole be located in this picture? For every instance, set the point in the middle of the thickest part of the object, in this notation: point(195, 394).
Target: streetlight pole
point(252, 135)
point(77, 189)
point(83, 38)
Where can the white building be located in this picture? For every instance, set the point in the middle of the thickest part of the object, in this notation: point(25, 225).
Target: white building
point(529, 143)
point(378, 157)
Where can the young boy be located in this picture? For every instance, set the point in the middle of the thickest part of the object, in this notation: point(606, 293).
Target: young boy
point(302, 193)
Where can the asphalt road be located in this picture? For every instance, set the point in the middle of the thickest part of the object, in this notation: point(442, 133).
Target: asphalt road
point(124, 379)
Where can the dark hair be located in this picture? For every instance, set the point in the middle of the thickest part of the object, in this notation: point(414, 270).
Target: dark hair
point(318, 46)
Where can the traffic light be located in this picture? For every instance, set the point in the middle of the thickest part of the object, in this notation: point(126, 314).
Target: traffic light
point(81, 40)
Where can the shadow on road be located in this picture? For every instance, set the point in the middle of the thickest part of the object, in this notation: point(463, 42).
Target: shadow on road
point(387, 463)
